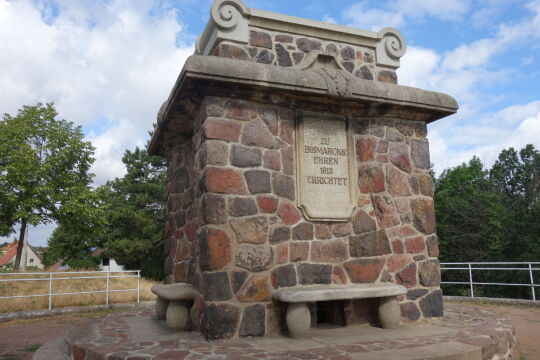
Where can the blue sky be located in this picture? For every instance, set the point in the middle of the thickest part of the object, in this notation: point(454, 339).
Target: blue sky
point(108, 65)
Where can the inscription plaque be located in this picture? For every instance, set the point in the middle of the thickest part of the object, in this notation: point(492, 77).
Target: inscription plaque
point(326, 176)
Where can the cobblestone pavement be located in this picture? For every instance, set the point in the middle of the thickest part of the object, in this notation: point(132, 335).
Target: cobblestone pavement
point(526, 321)
point(465, 330)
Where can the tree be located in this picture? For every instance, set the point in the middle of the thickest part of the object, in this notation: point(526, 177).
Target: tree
point(136, 214)
point(44, 169)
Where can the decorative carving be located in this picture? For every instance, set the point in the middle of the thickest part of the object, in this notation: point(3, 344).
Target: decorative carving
point(228, 21)
point(227, 13)
point(338, 83)
point(390, 47)
point(336, 76)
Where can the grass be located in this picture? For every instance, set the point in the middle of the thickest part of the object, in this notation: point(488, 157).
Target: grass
point(34, 287)
point(32, 348)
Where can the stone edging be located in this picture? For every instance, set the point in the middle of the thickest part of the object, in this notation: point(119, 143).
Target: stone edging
point(31, 314)
point(501, 301)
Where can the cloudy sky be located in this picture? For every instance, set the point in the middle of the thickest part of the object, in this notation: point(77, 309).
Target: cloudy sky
point(108, 65)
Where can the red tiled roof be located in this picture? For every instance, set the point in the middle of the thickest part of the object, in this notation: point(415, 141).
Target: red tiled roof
point(11, 251)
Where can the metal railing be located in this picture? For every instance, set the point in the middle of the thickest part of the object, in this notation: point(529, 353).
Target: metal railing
point(488, 266)
point(50, 277)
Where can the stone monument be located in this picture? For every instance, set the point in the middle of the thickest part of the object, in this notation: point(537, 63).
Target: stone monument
point(295, 159)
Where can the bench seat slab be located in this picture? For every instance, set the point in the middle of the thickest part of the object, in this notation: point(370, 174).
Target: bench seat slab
point(301, 294)
point(172, 292)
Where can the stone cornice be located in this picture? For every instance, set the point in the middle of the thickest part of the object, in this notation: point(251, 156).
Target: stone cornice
point(230, 20)
point(317, 79)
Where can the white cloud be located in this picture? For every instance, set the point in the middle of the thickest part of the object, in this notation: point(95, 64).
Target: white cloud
point(396, 13)
point(96, 61)
point(108, 66)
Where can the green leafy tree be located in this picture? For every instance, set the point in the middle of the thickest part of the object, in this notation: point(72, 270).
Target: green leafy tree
point(491, 215)
point(79, 232)
point(468, 214)
point(44, 169)
point(136, 214)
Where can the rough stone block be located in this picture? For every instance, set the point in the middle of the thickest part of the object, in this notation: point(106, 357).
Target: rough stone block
point(253, 321)
point(255, 133)
point(342, 229)
point(369, 244)
point(214, 249)
point(407, 276)
point(323, 231)
point(214, 209)
point(415, 244)
point(362, 222)
point(425, 185)
point(299, 251)
point(423, 215)
point(242, 206)
point(219, 321)
point(232, 51)
point(364, 73)
point(432, 304)
point(281, 252)
point(238, 278)
point(387, 76)
point(364, 270)
point(283, 56)
point(309, 274)
point(221, 129)
point(329, 251)
point(339, 276)
point(214, 153)
point(255, 289)
point(416, 293)
point(370, 178)
point(287, 160)
point(365, 149)
point(306, 45)
point(267, 204)
point(254, 257)
point(258, 181)
point(227, 181)
point(399, 156)
point(272, 159)
point(216, 286)
point(280, 234)
point(283, 186)
point(284, 276)
point(397, 182)
point(242, 156)
point(238, 109)
point(259, 38)
point(384, 210)
point(410, 311)
point(250, 230)
point(429, 273)
point(420, 153)
point(288, 213)
point(433, 245)
point(303, 231)
point(270, 117)
point(397, 262)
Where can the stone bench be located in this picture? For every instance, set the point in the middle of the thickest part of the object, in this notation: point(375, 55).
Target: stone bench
point(171, 303)
point(299, 319)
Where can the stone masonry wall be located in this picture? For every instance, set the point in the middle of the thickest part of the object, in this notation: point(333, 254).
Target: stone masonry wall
point(281, 49)
point(235, 233)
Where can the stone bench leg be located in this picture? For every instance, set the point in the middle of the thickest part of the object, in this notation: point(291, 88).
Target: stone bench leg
point(389, 312)
point(161, 308)
point(298, 319)
point(177, 315)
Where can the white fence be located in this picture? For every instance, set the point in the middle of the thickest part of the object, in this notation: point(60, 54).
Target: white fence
point(52, 276)
point(470, 267)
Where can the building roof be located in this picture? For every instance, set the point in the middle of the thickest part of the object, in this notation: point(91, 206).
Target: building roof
point(10, 251)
